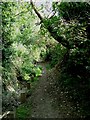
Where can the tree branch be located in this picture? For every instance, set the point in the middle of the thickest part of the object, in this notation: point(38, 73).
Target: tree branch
point(37, 13)
point(20, 13)
point(60, 39)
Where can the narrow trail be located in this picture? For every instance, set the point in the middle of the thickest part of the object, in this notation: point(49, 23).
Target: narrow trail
point(45, 98)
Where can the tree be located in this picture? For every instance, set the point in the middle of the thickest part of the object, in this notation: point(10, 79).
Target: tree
point(71, 28)
point(49, 26)
point(19, 49)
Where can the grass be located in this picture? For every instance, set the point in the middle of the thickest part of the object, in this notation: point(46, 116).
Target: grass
point(23, 111)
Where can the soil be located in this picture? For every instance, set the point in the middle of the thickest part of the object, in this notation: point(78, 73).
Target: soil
point(48, 100)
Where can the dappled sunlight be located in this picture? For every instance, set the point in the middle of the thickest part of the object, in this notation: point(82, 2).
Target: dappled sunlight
point(45, 59)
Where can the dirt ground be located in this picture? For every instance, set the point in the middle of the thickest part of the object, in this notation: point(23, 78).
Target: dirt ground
point(48, 101)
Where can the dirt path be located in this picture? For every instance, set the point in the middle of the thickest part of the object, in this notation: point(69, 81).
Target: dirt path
point(45, 98)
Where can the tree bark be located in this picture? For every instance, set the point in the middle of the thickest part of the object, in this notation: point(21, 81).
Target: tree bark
point(37, 13)
point(60, 39)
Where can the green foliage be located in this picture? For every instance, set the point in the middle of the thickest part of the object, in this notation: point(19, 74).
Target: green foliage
point(18, 49)
point(21, 48)
point(72, 10)
point(23, 111)
point(38, 71)
point(23, 45)
point(70, 26)
point(55, 54)
point(25, 62)
point(75, 73)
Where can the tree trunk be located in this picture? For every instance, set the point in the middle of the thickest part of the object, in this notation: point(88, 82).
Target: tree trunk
point(60, 39)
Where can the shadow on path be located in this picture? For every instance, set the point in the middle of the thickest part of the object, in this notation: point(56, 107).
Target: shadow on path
point(44, 98)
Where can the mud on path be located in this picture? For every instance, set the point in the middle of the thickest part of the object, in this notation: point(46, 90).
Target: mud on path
point(45, 98)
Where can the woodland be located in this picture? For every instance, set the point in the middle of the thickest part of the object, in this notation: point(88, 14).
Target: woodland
point(45, 51)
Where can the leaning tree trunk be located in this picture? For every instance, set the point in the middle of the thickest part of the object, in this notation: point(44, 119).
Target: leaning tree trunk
point(54, 34)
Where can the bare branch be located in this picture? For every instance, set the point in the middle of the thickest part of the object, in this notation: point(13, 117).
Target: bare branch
point(38, 14)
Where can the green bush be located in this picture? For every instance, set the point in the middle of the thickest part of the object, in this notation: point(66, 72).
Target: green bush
point(23, 111)
point(55, 54)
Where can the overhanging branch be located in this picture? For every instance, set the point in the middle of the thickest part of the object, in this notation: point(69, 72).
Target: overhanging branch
point(60, 39)
point(37, 13)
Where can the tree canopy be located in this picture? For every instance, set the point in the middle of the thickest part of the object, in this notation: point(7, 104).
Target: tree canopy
point(63, 39)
